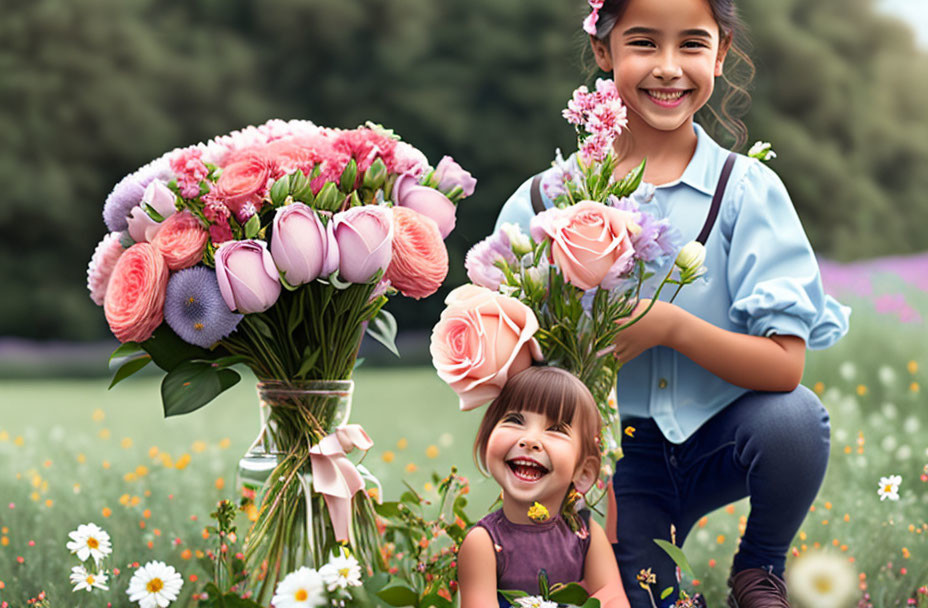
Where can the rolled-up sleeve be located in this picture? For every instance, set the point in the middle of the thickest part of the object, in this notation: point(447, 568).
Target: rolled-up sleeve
point(772, 273)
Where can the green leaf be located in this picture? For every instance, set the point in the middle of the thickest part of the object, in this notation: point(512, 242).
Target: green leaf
point(571, 593)
point(280, 190)
point(309, 359)
point(383, 329)
point(433, 600)
point(591, 603)
point(168, 350)
point(388, 509)
point(152, 213)
point(676, 554)
point(512, 595)
point(261, 326)
point(543, 583)
point(346, 183)
point(193, 384)
point(252, 226)
point(124, 350)
point(297, 314)
point(398, 593)
point(128, 368)
point(666, 592)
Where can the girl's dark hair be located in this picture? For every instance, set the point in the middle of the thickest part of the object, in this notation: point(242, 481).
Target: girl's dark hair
point(729, 102)
point(551, 391)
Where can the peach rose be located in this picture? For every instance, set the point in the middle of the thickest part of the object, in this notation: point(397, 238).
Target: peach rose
point(134, 303)
point(181, 240)
point(244, 182)
point(420, 259)
point(481, 340)
point(590, 242)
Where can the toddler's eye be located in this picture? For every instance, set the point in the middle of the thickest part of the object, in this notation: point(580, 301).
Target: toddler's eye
point(560, 427)
point(513, 418)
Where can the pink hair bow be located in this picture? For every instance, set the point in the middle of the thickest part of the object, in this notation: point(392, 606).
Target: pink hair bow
point(336, 477)
point(589, 24)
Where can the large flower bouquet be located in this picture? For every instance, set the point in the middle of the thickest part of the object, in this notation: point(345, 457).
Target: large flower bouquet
point(564, 291)
point(276, 246)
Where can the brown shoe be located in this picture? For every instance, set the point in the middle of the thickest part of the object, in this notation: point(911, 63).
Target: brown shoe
point(757, 588)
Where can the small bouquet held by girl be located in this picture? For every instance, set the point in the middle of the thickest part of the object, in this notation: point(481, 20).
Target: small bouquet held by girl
point(585, 266)
point(276, 246)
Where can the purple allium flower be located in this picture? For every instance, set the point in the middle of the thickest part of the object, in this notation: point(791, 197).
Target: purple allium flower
point(482, 257)
point(194, 308)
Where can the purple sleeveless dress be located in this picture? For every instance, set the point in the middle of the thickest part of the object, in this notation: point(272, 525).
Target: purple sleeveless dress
point(524, 549)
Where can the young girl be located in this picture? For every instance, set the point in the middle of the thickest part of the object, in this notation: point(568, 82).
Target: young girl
point(710, 384)
point(538, 439)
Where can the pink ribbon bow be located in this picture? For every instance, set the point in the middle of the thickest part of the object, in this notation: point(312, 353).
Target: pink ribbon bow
point(336, 477)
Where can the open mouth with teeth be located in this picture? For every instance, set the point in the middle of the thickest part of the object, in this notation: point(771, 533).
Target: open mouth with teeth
point(667, 97)
point(526, 469)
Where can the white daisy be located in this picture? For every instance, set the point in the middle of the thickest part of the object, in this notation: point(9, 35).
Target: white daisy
point(82, 579)
point(155, 584)
point(302, 588)
point(822, 579)
point(341, 572)
point(534, 601)
point(89, 540)
point(889, 487)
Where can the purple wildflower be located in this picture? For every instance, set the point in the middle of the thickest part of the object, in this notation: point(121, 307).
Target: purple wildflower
point(194, 308)
point(482, 258)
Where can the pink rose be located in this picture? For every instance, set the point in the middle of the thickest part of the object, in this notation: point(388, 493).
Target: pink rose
point(429, 202)
point(301, 246)
point(450, 174)
point(481, 340)
point(420, 259)
point(181, 240)
point(248, 279)
point(243, 184)
point(134, 302)
point(101, 266)
point(365, 242)
point(590, 242)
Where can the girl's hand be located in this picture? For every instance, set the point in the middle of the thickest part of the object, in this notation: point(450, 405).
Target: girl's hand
point(653, 329)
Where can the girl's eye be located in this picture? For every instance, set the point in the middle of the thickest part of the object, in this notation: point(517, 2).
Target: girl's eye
point(513, 418)
point(642, 43)
point(695, 44)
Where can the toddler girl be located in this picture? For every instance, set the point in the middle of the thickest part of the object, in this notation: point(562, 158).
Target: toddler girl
point(539, 440)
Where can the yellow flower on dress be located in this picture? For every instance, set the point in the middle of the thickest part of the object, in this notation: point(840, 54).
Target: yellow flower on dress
point(538, 512)
point(646, 578)
point(630, 431)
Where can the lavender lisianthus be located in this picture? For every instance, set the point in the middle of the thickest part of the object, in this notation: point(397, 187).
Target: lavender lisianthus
point(482, 258)
point(194, 308)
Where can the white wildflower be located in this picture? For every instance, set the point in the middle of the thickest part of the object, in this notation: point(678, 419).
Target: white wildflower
point(823, 580)
point(534, 601)
point(302, 588)
point(154, 584)
point(762, 150)
point(89, 540)
point(81, 578)
point(889, 487)
point(341, 572)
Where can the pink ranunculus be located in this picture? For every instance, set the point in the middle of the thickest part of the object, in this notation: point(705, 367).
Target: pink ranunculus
point(301, 246)
point(482, 339)
point(134, 303)
point(450, 174)
point(429, 202)
point(590, 242)
point(365, 241)
point(420, 259)
point(181, 240)
point(101, 266)
point(243, 184)
point(248, 279)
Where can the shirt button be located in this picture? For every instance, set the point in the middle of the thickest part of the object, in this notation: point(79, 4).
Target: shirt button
point(662, 383)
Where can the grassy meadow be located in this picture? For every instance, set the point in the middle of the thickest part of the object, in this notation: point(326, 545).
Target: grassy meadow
point(72, 452)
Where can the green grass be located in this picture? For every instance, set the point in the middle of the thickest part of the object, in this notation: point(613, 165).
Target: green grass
point(79, 446)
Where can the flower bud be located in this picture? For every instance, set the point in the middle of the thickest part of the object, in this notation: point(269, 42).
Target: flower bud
point(691, 257)
point(518, 240)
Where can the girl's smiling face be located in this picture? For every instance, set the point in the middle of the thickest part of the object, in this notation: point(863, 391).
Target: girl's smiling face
point(533, 458)
point(664, 57)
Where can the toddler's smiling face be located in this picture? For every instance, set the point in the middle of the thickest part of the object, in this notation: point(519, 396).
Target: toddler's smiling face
point(533, 459)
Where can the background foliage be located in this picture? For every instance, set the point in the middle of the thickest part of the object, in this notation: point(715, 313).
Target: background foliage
point(90, 90)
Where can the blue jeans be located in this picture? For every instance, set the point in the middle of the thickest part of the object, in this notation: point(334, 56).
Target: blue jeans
point(772, 447)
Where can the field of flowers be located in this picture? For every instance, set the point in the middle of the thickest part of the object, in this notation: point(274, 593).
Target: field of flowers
point(72, 453)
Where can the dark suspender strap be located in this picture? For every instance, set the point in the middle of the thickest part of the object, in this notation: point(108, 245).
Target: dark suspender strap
point(537, 204)
point(717, 199)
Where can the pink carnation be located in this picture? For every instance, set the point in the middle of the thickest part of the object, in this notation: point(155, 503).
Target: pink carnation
point(218, 215)
point(365, 146)
point(187, 165)
point(134, 303)
point(101, 266)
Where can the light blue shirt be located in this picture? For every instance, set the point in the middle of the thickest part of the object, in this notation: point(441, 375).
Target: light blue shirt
point(762, 279)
